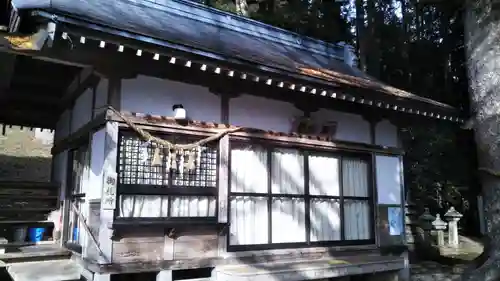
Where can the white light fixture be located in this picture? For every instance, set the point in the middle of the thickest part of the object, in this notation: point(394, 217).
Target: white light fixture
point(172, 60)
point(188, 63)
point(179, 112)
point(121, 48)
point(102, 44)
point(64, 35)
point(156, 57)
point(82, 40)
point(203, 67)
point(138, 53)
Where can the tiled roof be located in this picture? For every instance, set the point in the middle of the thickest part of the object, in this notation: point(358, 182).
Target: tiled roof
point(232, 38)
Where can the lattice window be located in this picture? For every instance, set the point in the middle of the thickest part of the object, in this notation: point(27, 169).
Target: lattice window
point(136, 167)
point(158, 188)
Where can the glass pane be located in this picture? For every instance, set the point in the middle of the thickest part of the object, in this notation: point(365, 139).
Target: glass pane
point(288, 220)
point(248, 221)
point(203, 175)
point(324, 175)
point(135, 165)
point(287, 172)
point(192, 206)
point(249, 170)
point(355, 177)
point(325, 220)
point(81, 163)
point(143, 206)
point(357, 219)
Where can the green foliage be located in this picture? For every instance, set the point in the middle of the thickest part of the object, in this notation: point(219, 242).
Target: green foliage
point(417, 48)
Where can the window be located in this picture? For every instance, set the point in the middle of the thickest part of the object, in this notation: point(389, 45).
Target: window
point(281, 197)
point(156, 191)
point(79, 174)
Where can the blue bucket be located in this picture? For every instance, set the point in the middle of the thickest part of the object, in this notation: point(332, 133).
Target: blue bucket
point(75, 234)
point(36, 234)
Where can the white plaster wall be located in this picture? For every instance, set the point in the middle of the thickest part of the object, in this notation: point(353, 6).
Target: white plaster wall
point(386, 134)
point(82, 110)
point(157, 96)
point(96, 164)
point(62, 126)
point(350, 127)
point(101, 96)
point(261, 113)
point(389, 183)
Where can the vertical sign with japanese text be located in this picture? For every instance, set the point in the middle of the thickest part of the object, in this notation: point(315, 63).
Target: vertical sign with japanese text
point(109, 191)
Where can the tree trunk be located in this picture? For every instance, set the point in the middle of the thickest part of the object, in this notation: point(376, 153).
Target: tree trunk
point(360, 34)
point(242, 7)
point(482, 33)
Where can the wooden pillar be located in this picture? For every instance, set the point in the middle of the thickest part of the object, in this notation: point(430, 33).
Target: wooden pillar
point(66, 187)
point(102, 194)
point(373, 119)
point(225, 94)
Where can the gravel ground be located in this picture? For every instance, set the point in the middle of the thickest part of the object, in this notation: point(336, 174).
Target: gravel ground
point(24, 157)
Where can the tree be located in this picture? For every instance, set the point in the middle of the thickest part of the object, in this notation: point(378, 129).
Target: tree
point(482, 33)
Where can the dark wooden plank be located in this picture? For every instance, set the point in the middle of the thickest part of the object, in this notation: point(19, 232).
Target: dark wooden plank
point(26, 191)
point(196, 246)
point(7, 204)
point(139, 246)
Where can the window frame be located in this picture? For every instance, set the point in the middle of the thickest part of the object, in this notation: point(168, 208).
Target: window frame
point(169, 190)
point(78, 158)
point(269, 147)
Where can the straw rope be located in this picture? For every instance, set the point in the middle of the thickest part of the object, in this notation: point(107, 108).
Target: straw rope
point(147, 137)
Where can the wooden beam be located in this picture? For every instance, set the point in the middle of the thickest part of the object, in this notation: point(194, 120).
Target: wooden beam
point(25, 96)
point(28, 117)
point(81, 135)
point(83, 80)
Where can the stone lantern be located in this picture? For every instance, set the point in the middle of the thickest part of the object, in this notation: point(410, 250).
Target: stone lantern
point(426, 220)
point(439, 225)
point(452, 216)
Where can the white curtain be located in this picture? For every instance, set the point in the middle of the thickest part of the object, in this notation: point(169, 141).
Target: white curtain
point(325, 220)
point(249, 220)
point(288, 214)
point(356, 212)
point(249, 170)
point(324, 175)
point(355, 177)
point(288, 220)
point(324, 213)
point(287, 172)
point(154, 206)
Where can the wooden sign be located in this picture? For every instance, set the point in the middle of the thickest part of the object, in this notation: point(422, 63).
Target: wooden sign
point(109, 191)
